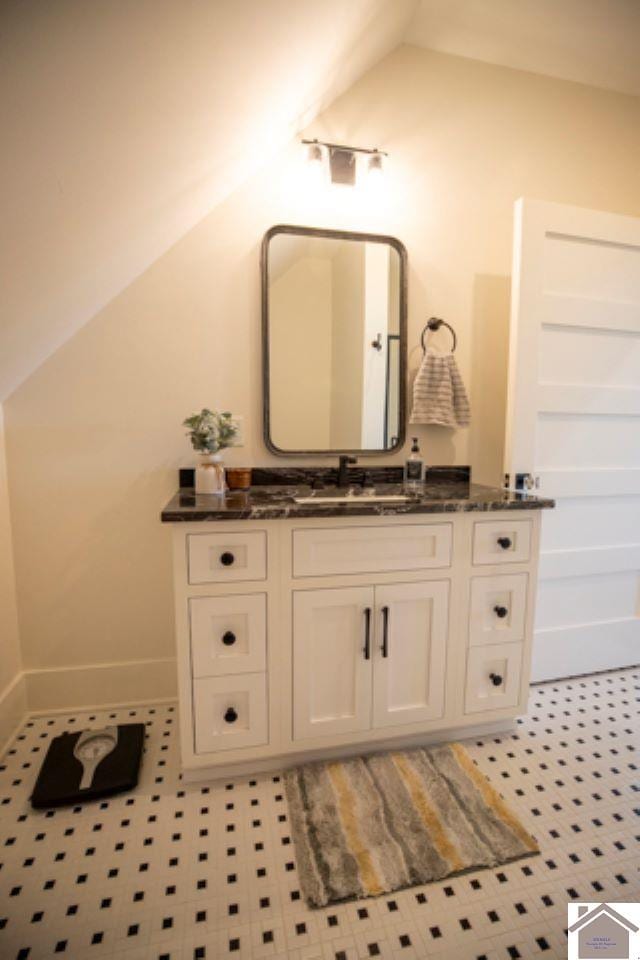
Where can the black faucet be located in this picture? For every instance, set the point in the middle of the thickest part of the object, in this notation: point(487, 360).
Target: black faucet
point(343, 469)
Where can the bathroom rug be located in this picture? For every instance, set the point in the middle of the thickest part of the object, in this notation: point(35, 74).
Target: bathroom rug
point(369, 825)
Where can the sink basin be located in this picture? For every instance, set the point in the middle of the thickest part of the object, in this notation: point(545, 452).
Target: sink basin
point(335, 496)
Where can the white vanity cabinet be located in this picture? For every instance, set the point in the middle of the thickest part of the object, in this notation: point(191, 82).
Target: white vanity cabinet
point(301, 638)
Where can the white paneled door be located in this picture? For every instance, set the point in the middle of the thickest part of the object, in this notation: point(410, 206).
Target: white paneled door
point(574, 427)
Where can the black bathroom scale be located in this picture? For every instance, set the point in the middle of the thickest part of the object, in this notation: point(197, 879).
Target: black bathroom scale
point(89, 764)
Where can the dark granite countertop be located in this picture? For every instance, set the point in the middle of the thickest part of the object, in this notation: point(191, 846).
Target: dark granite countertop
point(443, 492)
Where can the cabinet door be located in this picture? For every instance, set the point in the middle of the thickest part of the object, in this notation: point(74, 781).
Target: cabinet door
point(332, 657)
point(410, 652)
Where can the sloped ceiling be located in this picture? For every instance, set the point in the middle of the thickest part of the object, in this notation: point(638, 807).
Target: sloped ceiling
point(589, 41)
point(124, 122)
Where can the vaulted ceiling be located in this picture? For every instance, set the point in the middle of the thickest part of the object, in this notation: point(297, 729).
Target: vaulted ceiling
point(125, 122)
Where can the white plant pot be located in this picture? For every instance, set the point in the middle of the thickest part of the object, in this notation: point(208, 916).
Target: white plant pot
point(210, 474)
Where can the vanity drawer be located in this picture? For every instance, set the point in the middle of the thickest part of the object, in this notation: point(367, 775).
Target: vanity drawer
point(230, 712)
point(493, 677)
point(498, 608)
point(343, 550)
point(227, 557)
point(228, 634)
point(501, 541)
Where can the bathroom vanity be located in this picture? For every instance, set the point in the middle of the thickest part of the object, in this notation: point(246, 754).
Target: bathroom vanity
point(328, 612)
point(308, 628)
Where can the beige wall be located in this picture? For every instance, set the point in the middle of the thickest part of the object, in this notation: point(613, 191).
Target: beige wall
point(347, 346)
point(94, 436)
point(300, 333)
point(12, 701)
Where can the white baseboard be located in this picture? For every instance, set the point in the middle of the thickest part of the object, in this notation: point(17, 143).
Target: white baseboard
point(89, 686)
point(119, 705)
point(13, 709)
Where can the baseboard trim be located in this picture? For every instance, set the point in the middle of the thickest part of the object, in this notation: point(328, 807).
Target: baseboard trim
point(95, 686)
point(13, 710)
point(124, 705)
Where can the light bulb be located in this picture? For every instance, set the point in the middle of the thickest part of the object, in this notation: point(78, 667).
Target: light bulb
point(375, 168)
point(315, 164)
point(314, 153)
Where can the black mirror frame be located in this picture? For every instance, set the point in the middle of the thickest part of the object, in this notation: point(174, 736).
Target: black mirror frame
point(399, 247)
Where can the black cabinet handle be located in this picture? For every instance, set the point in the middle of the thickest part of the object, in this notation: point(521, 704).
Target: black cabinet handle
point(505, 542)
point(367, 633)
point(500, 611)
point(385, 632)
point(496, 679)
point(230, 715)
point(226, 558)
point(228, 638)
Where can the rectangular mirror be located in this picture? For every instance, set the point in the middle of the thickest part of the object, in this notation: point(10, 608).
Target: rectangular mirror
point(334, 318)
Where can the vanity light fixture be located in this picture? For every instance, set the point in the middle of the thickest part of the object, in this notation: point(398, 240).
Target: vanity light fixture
point(342, 159)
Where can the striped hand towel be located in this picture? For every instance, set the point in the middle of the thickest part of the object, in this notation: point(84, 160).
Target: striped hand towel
point(439, 396)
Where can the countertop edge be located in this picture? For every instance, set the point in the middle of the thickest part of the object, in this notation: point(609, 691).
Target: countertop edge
point(288, 511)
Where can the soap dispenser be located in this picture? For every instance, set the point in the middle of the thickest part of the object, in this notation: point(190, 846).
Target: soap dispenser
point(414, 467)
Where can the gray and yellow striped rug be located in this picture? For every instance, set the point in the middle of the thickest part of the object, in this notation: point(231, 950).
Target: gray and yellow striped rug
point(369, 825)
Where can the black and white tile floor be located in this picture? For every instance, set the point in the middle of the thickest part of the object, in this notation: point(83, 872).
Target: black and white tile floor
point(189, 871)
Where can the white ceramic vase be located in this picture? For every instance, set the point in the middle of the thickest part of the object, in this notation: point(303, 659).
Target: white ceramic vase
point(210, 474)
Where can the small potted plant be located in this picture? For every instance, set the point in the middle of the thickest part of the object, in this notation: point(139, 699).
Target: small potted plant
point(210, 432)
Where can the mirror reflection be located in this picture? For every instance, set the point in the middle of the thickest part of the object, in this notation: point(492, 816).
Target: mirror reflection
point(334, 341)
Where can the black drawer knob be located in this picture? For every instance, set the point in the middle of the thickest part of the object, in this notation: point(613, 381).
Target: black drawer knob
point(505, 542)
point(226, 559)
point(229, 638)
point(500, 611)
point(496, 679)
point(230, 715)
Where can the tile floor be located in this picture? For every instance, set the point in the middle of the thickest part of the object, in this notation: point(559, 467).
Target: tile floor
point(173, 871)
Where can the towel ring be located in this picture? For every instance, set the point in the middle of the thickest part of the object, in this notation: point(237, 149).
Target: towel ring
point(434, 323)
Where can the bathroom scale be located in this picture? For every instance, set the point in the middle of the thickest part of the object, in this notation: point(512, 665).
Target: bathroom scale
point(89, 764)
